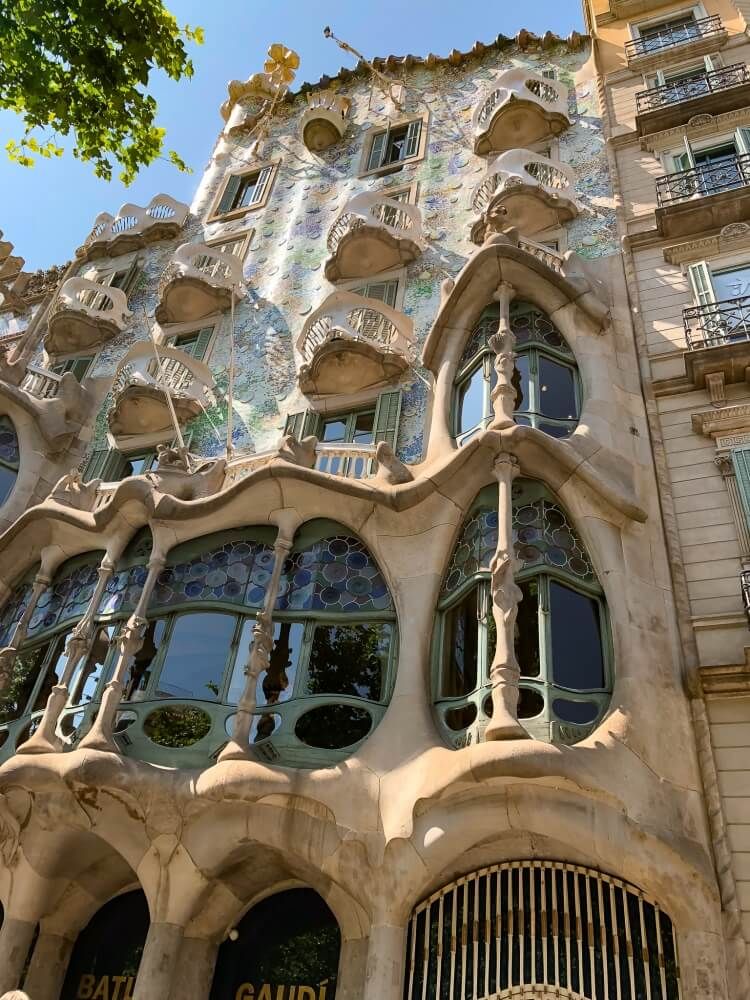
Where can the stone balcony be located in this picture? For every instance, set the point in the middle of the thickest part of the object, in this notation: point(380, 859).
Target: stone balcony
point(324, 121)
point(676, 43)
point(351, 343)
point(529, 192)
point(139, 390)
point(676, 102)
point(134, 227)
point(522, 108)
point(85, 315)
point(374, 233)
point(708, 197)
point(58, 404)
point(200, 280)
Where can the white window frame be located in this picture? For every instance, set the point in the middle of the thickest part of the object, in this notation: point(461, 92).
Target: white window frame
point(700, 275)
point(698, 11)
point(707, 64)
point(215, 215)
point(378, 128)
point(244, 235)
point(670, 158)
point(395, 274)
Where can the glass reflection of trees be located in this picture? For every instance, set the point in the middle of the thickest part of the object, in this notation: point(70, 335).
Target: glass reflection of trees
point(330, 665)
point(561, 636)
point(548, 394)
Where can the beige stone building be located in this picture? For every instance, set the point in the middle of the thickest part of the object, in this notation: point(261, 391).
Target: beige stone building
point(374, 537)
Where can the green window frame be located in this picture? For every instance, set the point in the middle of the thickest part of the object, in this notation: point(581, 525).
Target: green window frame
point(392, 146)
point(245, 191)
point(194, 343)
point(539, 346)
point(549, 709)
point(80, 367)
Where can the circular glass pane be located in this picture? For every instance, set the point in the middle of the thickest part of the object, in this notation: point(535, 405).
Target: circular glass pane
point(579, 712)
point(177, 726)
point(460, 718)
point(333, 727)
point(530, 703)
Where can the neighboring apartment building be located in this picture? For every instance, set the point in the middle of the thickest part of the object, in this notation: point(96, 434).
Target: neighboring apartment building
point(361, 600)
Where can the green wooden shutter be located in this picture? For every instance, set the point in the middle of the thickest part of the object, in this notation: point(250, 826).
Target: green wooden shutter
point(700, 279)
point(260, 185)
point(200, 345)
point(303, 424)
point(377, 151)
point(741, 462)
point(387, 415)
point(742, 139)
point(230, 193)
point(96, 465)
point(411, 146)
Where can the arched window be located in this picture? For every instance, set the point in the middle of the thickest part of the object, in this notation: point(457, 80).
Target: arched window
point(562, 634)
point(287, 940)
point(9, 457)
point(537, 924)
point(548, 392)
point(108, 951)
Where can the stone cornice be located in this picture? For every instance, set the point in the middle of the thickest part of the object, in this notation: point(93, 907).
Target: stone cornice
point(699, 127)
point(735, 236)
point(722, 421)
point(733, 679)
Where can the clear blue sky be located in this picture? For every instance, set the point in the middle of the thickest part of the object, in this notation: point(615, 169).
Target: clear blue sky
point(48, 210)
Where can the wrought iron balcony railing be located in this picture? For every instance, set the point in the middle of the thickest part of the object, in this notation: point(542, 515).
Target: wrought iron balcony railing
point(674, 34)
point(690, 88)
point(725, 174)
point(717, 323)
point(745, 584)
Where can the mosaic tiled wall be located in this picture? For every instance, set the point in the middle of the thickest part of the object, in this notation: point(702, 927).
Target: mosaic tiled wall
point(284, 265)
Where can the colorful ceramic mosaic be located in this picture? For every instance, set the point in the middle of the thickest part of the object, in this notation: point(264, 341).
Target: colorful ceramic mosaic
point(123, 590)
point(334, 574)
point(67, 598)
point(8, 442)
point(542, 536)
point(236, 572)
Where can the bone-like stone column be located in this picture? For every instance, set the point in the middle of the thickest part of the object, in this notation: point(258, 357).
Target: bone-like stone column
point(159, 962)
point(260, 650)
point(386, 952)
point(45, 739)
point(48, 966)
point(195, 970)
point(129, 642)
point(8, 655)
point(15, 941)
point(504, 670)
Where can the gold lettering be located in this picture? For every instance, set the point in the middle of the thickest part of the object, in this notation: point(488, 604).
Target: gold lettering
point(305, 993)
point(102, 990)
point(131, 987)
point(117, 982)
point(86, 987)
point(323, 990)
point(265, 992)
point(245, 992)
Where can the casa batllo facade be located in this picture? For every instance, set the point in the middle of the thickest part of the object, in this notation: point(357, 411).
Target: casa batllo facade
point(374, 528)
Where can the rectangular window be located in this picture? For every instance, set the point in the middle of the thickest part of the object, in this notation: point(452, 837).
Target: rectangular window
point(135, 464)
point(245, 191)
point(349, 428)
point(670, 31)
point(194, 343)
point(78, 366)
point(393, 145)
point(383, 291)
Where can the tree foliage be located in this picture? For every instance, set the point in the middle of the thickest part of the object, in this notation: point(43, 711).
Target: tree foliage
point(80, 68)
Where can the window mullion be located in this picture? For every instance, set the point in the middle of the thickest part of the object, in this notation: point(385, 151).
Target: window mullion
point(158, 661)
point(545, 632)
point(234, 652)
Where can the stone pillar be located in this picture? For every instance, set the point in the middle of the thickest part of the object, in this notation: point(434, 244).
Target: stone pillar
point(726, 468)
point(159, 963)
point(45, 739)
point(15, 941)
point(503, 343)
point(386, 954)
point(195, 970)
point(129, 641)
point(260, 650)
point(352, 968)
point(48, 966)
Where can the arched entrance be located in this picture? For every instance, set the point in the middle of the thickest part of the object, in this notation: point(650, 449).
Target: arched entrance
point(105, 960)
point(287, 949)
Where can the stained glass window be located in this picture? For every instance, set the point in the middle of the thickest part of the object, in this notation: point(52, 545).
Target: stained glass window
point(234, 572)
point(333, 574)
point(9, 457)
point(14, 608)
point(68, 596)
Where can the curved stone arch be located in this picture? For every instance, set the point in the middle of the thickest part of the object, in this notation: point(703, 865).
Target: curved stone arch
point(574, 302)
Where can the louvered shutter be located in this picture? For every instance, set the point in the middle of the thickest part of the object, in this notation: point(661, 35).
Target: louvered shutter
point(377, 151)
point(98, 463)
point(387, 416)
point(303, 424)
point(741, 462)
point(230, 193)
point(411, 146)
point(197, 345)
point(260, 185)
point(700, 279)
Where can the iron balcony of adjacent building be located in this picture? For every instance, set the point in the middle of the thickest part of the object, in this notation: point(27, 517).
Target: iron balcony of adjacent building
point(523, 108)
point(745, 584)
point(200, 281)
point(374, 233)
point(692, 38)
point(707, 197)
point(718, 341)
point(675, 103)
point(85, 315)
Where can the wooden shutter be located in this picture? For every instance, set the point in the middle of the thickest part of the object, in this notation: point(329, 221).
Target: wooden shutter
point(260, 185)
point(99, 462)
point(700, 280)
point(377, 151)
point(226, 203)
point(199, 345)
point(303, 424)
point(741, 462)
point(387, 416)
point(411, 146)
point(742, 138)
